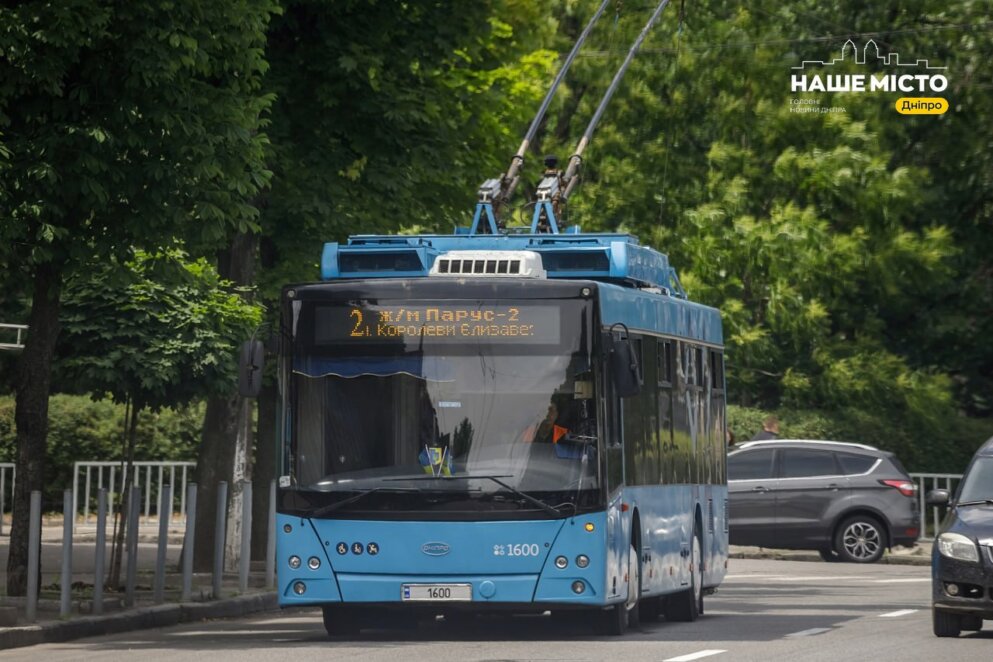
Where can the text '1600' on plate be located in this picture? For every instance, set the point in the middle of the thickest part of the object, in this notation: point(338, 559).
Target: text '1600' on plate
point(436, 593)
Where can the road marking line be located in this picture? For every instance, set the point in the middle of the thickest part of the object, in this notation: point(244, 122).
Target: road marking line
point(832, 578)
point(807, 633)
point(902, 612)
point(695, 656)
point(901, 581)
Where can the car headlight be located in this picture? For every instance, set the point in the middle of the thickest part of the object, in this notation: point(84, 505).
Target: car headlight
point(957, 546)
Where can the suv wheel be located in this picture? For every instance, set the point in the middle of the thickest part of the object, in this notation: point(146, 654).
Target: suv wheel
point(945, 624)
point(860, 539)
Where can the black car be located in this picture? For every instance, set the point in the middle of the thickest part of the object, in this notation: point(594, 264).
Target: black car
point(962, 558)
point(850, 502)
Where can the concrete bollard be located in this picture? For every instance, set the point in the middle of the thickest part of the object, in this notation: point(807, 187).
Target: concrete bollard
point(100, 553)
point(220, 533)
point(34, 556)
point(244, 563)
point(188, 541)
point(165, 510)
point(68, 515)
point(270, 548)
point(134, 503)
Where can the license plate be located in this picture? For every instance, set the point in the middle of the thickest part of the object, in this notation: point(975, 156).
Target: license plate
point(436, 592)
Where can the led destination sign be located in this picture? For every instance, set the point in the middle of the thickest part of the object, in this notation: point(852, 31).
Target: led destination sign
point(526, 324)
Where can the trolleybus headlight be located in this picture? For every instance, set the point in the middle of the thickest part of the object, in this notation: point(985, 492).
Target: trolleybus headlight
point(313, 563)
point(578, 586)
point(299, 588)
point(582, 560)
point(294, 562)
point(561, 562)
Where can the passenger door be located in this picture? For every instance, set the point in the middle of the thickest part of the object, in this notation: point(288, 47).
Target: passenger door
point(752, 496)
point(810, 481)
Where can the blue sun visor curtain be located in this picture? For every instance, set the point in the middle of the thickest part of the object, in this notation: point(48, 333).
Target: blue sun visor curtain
point(435, 368)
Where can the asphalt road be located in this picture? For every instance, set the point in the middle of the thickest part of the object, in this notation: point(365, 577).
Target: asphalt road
point(766, 610)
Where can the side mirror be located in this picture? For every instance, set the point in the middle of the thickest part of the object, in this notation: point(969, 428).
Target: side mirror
point(936, 498)
point(250, 365)
point(624, 369)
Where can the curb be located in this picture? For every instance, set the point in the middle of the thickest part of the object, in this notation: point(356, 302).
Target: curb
point(136, 619)
point(780, 555)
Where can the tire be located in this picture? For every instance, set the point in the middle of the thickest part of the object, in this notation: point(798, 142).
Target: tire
point(971, 623)
point(686, 606)
point(616, 620)
point(860, 539)
point(650, 609)
point(945, 624)
point(828, 555)
point(338, 621)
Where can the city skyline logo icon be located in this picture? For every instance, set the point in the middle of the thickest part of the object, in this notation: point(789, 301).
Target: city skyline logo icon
point(869, 54)
point(888, 73)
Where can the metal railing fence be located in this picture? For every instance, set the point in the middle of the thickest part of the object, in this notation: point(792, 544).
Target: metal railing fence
point(6, 330)
point(931, 516)
point(150, 476)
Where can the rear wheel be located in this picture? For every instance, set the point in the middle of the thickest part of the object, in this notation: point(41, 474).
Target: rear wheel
point(945, 624)
point(688, 605)
point(860, 539)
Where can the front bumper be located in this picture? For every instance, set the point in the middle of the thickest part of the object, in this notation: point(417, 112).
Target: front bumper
point(974, 582)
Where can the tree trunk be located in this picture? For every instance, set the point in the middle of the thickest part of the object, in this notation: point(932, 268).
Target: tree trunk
point(226, 428)
point(31, 414)
point(264, 468)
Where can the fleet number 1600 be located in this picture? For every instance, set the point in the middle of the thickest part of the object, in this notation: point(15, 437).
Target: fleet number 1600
point(516, 549)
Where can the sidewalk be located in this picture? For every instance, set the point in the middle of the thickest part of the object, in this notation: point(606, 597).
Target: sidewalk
point(49, 626)
point(919, 554)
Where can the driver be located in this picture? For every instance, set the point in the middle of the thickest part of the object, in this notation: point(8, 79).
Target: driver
point(547, 431)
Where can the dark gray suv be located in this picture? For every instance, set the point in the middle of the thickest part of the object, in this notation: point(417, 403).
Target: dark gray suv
point(849, 502)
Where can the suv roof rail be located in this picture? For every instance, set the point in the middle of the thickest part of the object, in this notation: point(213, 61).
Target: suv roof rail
point(762, 442)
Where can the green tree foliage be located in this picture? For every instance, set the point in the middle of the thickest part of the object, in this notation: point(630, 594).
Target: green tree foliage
point(830, 241)
point(159, 330)
point(391, 115)
point(123, 123)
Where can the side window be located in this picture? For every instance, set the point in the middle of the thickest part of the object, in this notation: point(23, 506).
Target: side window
point(665, 363)
point(803, 463)
point(750, 465)
point(852, 464)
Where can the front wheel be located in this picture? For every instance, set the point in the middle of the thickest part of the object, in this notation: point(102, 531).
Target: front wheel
point(945, 624)
point(688, 605)
point(338, 621)
point(860, 539)
point(617, 619)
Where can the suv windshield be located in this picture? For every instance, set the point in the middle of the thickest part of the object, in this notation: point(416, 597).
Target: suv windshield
point(978, 483)
point(465, 407)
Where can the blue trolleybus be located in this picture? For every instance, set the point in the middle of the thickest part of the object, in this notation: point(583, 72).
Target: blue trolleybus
point(524, 422)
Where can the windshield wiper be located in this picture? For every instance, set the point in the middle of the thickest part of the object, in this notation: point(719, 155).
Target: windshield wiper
point(352, 499)
point(976, 502)
point(496, 479)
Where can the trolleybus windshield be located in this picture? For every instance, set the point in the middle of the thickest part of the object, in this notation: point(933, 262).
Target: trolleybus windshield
point(465, 407)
